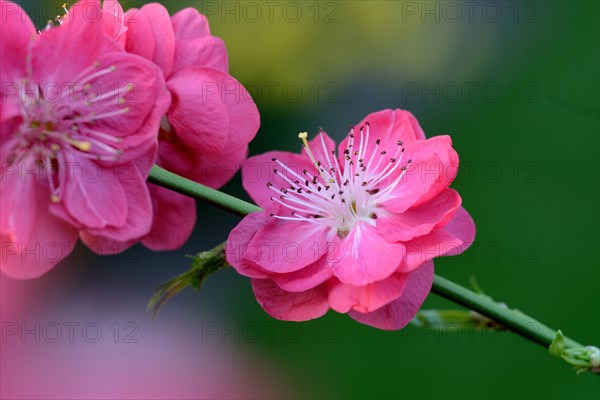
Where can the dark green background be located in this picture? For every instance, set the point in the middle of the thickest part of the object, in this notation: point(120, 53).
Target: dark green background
point(529, 178)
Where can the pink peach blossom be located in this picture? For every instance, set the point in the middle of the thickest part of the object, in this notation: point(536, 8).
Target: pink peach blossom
point(205, 134)
point(79, 122)
point(355, 232)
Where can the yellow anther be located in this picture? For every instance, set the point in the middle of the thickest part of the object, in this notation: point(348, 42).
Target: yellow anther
point(303, 136)
point(80, 144)
point(113, 68)
point(54, 147)
point(130, 87)
point(85, 146)
point(126, 109)
point(54, 198)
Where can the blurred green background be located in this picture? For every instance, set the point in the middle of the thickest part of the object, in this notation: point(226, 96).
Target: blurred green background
point(516, 85)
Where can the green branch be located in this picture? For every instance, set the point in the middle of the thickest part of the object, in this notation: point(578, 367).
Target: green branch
point(176, 183)
point(514, 320)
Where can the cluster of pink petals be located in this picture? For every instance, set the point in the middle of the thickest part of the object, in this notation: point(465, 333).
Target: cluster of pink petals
point(353, 231)
point(205, 133)
point(78, 119)
point(74, 167)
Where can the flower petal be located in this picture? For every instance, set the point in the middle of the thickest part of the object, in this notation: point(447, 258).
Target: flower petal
point(237, 245)
point(114, 21)
point(76, 54)
point(289, 306)
point(211, 111)
point(418, 221)
point(433, 168)
point(16, 38)
point(93, 195)
point(284, 247)
point(144, 100)
point(104, 246)
point(189, 23)
point(366, 257)
point(451, 240)
point(205, 52)
point(304, 279)
point(18, 196)
point(162, 31)
point(400, 312)
point(386, 127)
point(174, 219)
point(259, 170)
point(462, 227)
point(139, 213)
point(28, 257)
point(140, 34)
point(343, 297)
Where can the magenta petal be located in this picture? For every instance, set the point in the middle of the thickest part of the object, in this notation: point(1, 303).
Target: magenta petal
point(16, 37)
point(438, 243)
point(44, 247)
point(145, 102)
point(18, 197)
point(343, 298)
point(95, 199)
point(205, 52)
point(189, 23)
point(304, 279)
point(393, 125)
point(420, 220)
point(289, 306)
point(433, 168)
point(10, 120)
point(211, 111)
point(174, 219)
point(140, 35)
point(104, 246)
point(462, 227)
point(199, 119)
point(164, 37)
point(139, 211)
point(236, 249)
point(74, 56)
point(453, 239)
point(257, 171)
point(400, 312)
point(387, 127)
point(365, 257)
point(143, 163)
point(282, 247)
point(114, 20)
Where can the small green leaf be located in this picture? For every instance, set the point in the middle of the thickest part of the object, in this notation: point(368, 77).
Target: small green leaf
point(203, 265)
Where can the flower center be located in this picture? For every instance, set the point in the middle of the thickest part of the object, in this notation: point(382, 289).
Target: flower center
point(63, 119)
point(340, 193)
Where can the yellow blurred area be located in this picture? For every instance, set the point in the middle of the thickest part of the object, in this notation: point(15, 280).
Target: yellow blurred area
point(302, 41)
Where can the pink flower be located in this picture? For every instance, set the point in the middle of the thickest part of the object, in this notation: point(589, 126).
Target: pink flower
point(354, 232)
point(79, 120)
point(205, 134)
